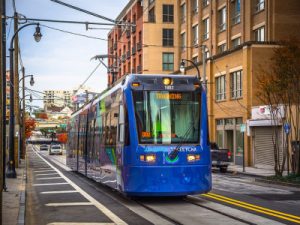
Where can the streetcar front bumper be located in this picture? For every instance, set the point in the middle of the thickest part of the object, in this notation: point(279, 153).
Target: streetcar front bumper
point(166, 180)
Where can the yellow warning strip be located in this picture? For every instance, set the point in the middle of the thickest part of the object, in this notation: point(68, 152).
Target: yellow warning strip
point(255, 208)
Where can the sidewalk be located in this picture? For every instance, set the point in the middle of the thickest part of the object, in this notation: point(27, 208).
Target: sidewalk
point(252, 171)
point(14, 198)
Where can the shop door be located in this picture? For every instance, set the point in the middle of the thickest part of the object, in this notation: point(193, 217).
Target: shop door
point(263, 146)
point(229, 141)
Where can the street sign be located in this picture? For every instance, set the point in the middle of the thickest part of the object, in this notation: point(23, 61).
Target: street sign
point(243, 128)
point(287, 128)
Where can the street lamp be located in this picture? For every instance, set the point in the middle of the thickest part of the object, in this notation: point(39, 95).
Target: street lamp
point(11, 171)
point(37, 35)
point(182, 67)
point(31, 79)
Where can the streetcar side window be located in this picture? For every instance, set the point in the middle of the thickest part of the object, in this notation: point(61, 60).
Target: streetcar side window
point(121, 124)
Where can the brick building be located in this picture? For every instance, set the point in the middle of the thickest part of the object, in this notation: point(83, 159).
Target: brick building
point(239, 36)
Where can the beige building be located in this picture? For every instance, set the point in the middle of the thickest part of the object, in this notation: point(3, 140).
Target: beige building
point(57, 98)
point(239, 38)
point(150, 47)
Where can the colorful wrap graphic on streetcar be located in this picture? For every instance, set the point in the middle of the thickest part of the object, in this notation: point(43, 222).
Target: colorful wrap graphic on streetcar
point(144, 138)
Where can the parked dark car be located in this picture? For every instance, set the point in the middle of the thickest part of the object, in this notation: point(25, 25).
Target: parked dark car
point(221, 158)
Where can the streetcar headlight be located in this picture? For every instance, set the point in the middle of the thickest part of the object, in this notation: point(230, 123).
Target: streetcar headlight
point(135, 84)
point(167, 81)
point(151, 158)
point(193, 157)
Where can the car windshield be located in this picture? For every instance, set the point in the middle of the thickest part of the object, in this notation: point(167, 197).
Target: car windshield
point(55, 147)
point(164, 117)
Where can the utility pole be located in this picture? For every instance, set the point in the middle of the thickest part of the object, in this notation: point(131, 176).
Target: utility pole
point(2, 102)
point(1, 123)
point(16, 91)
point(86, 96)
point(204, 65)
point(23, 117)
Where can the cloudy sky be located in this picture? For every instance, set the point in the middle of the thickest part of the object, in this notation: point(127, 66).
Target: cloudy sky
point(61, 61)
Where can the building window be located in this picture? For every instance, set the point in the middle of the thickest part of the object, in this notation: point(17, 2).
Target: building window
point(182, 13)
point(195, 34)
point(236, 42)
point(168, 13)
point(195, 6)
point(205, 3)
point(168, 61)
point(195, 59)
point(168, 37)
point(259, 34)
point(237, 12)
point(222, 19)
point(260, 5)
point(207, 55)
point(222, 48)
point(151, 16)
point(236, 84)
point(182, 41)
point(206, 29)
point(220, 88)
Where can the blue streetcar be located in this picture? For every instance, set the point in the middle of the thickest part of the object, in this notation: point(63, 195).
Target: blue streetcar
point(146, 136)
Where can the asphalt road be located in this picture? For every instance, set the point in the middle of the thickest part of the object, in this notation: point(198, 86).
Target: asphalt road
point(57, 196)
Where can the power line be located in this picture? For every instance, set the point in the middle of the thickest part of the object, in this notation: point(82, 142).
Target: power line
point(24, 18)
point(69, 32)
point(88, 12)
point(80, 86)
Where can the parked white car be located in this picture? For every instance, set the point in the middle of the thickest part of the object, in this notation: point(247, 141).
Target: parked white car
point(55, 150)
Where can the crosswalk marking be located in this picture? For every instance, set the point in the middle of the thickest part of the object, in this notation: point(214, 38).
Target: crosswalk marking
point(46, 174)
point(62, 223)
point(92, 201)
point(59, 192)
point(69, 204)
point(49, 178)
point(49, 184)
point(42, 171)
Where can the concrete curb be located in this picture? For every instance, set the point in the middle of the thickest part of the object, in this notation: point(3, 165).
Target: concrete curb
point(22, 204)
point(263, 180)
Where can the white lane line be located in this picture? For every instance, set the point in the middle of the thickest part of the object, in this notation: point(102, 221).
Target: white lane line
point(42, 171)
point(46, 174)
point(97, 204)
point(58, 192)
point(69, 204)
point(49, 178)
point(62, 223)
point(49, 184)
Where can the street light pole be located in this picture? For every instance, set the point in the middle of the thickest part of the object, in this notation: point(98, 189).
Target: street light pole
point(3, 59)
point(22, 113)
point(11, 171)
point(182, 66)
point(204, 64)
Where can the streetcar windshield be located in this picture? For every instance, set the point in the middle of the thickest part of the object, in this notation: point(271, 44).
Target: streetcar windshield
point(164, 117)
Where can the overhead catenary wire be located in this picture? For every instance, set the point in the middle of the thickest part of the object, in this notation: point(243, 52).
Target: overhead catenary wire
point(88, 12)
point(26, 19)
point(89, 76)
point(73, 33)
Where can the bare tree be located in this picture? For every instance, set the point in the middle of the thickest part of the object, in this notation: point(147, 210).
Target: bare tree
point(279, 87)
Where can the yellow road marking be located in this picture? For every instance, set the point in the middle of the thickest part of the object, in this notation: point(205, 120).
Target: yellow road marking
point(255, 208)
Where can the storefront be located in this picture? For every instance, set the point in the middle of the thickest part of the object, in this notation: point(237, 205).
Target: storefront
point(229, 135)
point(265, 132)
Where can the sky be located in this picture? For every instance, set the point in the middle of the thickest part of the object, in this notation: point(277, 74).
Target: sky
point(62, 61)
